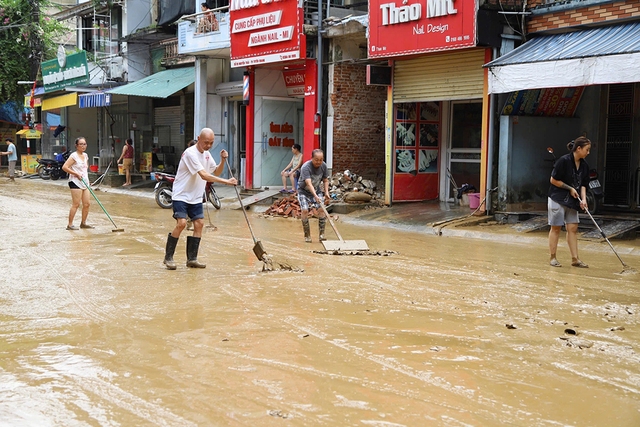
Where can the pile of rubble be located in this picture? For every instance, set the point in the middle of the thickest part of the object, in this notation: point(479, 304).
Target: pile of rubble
point(349, 187)
point(287, 206)
point(344, 187)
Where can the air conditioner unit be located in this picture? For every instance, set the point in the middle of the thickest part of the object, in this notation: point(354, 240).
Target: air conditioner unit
point(115, 69)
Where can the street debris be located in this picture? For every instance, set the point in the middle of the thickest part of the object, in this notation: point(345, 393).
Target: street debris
point(376, 253)
point(269, 264)
point(349, 187)
point(345, 187)
point(577, 343)
point(288, 207)
point(278, 413)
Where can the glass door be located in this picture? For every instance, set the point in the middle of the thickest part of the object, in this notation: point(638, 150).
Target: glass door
point(465, 145)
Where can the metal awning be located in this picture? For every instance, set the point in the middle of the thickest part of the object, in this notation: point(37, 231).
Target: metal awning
point(603, 55)
point(159, 85)
point(96, 99)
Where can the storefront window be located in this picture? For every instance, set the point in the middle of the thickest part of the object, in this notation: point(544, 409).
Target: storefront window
point(417, 137)
point(466, 128)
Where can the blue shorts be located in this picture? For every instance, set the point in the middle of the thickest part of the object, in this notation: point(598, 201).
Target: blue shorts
point(187, 210)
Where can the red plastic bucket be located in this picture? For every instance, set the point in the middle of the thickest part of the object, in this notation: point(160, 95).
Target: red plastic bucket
point(93, 168)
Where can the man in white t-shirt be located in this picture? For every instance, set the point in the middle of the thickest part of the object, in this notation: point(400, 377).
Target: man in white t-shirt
point(195, 169)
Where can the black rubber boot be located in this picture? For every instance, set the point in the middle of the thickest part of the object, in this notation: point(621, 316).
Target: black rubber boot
point(307, 230)
point(169, 251)
point(193, 243)
point(322, 222)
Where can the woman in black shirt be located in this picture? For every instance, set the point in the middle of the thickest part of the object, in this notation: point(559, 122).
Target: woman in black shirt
point(567, 194)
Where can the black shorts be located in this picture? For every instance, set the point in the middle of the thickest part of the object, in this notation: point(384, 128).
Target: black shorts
point(74, 186)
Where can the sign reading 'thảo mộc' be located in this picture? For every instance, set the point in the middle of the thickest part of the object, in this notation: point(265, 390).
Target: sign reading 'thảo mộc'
point(408, 27)
point(67, 70)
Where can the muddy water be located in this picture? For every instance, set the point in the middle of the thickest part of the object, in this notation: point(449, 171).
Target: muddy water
point(93, 330)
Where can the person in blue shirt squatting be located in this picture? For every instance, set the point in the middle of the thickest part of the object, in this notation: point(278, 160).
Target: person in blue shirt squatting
point(567, 194)
point(195, 169)
point(313, 173)
point(12, 157)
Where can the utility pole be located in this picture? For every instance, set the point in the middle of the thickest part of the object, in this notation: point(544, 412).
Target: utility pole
point(35, 40)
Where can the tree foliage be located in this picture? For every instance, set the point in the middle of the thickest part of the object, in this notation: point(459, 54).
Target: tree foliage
point(27, 37)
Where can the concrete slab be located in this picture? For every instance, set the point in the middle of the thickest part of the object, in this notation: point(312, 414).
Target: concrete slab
point(254, 198)
point(532, 224)
point(611, 229)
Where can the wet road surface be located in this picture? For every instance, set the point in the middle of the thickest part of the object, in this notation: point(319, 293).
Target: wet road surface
point(448, 332)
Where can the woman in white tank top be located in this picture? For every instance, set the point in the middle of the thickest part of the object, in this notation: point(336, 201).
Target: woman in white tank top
point(77, 166)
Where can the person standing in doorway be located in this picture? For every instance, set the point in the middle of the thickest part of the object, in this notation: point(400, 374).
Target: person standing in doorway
point(77, 166)
point(568, 194)
point(12, 157)
point(313, 186)
point(195, 169)
point(292, 170)
point(127, 160)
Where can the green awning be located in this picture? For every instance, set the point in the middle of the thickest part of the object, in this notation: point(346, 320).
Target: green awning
point(159, 85)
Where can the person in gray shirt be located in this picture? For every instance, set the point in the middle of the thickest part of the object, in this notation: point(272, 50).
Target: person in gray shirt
point(313, 187)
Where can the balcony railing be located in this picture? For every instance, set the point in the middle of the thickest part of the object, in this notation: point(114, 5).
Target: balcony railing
point(171, 56)
point(205, 33)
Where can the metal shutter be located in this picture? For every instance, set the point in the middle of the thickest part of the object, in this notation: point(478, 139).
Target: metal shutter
point(439, 77)
point(168, 116)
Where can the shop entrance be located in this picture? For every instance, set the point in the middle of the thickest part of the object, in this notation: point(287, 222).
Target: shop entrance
point(280, 129)
point(464, 145)
point(622, 174)
point(416, 144)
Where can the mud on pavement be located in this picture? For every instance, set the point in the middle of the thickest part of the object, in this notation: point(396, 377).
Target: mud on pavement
point(447, 332)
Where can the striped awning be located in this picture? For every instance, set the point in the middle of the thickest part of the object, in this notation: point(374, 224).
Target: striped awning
point(96, 99)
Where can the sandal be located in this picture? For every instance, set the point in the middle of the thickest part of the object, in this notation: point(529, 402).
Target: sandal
point(554, 263)
point(579, 264)
point(284, 191)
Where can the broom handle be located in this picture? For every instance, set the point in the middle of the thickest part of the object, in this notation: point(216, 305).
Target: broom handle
point(603, 235)
point(331, 222)
point(96, 197)
point(242, 205)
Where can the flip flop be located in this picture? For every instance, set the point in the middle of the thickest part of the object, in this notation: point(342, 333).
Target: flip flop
point(579, 264)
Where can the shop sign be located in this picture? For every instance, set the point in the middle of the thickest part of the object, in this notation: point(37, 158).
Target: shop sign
point(37, 101)
point(408, 27)
point(294, 81)
point(65, 71)
point(266, 31)
point(548, 102)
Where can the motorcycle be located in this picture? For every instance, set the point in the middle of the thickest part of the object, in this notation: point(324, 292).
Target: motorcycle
point(164, 191)
point(595, 194)
point(50, 169)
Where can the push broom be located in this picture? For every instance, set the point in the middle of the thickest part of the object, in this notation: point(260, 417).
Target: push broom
point(625, 268)
point(115, 229)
